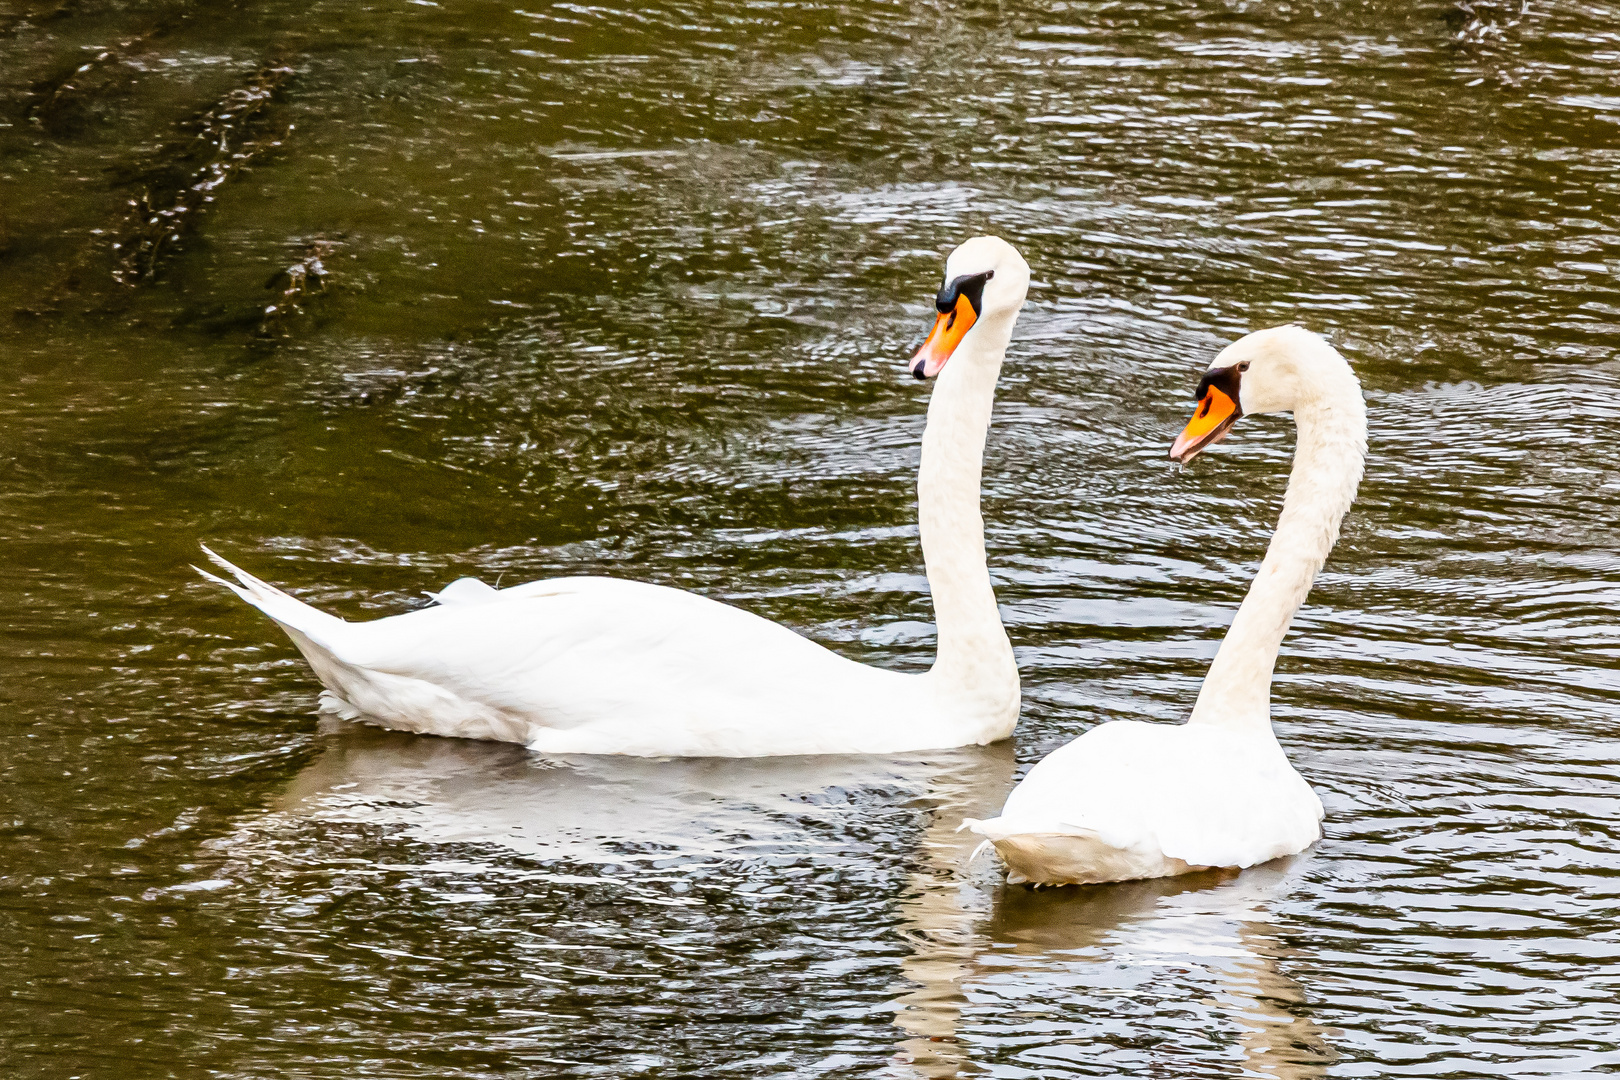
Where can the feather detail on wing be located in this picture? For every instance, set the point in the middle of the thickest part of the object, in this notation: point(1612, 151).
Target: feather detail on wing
point(578, 639)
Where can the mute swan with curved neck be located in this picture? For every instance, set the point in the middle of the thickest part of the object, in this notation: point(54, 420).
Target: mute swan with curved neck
point(1129, 799)
point(596, 665)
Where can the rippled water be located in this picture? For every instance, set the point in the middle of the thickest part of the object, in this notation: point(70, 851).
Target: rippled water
point(626, 289)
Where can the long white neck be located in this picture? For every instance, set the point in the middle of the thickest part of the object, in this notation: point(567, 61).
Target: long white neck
point(974, 659)
point(1332, 442)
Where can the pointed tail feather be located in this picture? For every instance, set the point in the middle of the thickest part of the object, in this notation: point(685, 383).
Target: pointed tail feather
point(294, 615)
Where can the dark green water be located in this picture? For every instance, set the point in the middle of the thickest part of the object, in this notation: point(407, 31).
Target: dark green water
point(627, 289)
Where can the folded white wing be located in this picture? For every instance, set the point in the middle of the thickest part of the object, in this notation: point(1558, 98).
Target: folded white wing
point(601, 665)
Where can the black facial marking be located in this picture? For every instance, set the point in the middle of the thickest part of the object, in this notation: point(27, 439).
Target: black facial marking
point(1226, 380)
point(968, 285)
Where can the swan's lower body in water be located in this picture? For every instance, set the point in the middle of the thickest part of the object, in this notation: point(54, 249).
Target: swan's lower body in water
point(1130, 800)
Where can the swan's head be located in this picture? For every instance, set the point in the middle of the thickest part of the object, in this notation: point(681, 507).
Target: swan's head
point(1282, 369)
point(985, 283)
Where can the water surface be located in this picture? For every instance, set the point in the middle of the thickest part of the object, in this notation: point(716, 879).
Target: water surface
point(408, 290)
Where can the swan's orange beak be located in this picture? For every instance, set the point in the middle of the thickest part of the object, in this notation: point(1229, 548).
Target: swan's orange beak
point(947, 334)
point(1217, 411)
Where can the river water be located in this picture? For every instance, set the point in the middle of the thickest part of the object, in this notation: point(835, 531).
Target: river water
point(407, 290)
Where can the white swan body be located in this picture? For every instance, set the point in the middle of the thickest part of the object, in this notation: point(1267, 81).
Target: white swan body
point(1131, 800)
point(608, 666)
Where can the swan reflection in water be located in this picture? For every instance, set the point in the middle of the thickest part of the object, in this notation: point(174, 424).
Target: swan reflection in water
point(1080, 975)
point(626, 810)
point(986, 961)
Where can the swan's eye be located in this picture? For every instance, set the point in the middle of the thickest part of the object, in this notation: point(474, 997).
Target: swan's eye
point(1243, 366)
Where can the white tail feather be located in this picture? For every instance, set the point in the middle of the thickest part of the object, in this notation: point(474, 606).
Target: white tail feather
point(293, 614)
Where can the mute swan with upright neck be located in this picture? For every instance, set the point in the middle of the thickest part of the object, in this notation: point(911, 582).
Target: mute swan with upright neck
point(598, 665)
point(1130, 800)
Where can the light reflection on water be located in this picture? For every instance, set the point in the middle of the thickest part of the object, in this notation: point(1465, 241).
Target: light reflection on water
point(625, 290)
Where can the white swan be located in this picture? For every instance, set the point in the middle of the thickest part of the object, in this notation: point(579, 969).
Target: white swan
point(606, 666)
point(1130, 800)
